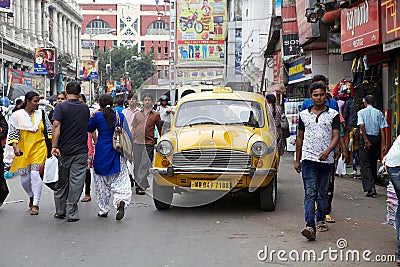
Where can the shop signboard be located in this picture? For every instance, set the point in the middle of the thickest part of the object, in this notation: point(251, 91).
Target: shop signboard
point(15, 76)
point(299, 70)
point(201, 30)
point(292, 110)
point(360, 26)
point(5, 5)
point(290, 37)
point(390, 20)
point(44, 61)
point(28, 79)
point(334, 43)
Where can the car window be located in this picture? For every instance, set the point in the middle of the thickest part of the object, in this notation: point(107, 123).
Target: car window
point(220, 111)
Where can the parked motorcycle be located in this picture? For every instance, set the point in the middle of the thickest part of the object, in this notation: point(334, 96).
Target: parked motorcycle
point(190, 22)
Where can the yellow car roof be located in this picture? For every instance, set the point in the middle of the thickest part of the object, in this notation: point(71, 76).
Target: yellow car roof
point(236, 95)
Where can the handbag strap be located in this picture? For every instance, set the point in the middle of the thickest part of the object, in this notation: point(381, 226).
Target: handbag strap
point(46, 137)
point(117, 120)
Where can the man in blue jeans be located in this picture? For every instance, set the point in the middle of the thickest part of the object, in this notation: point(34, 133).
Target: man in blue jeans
point(392, 163)
point(318, 135)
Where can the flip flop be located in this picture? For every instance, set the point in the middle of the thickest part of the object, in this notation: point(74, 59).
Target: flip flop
point(86, 199)
point(35, 210)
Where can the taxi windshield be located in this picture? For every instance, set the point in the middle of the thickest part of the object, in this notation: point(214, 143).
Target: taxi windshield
point(220, 112)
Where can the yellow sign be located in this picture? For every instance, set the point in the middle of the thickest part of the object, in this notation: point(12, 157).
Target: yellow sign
point(296, 69)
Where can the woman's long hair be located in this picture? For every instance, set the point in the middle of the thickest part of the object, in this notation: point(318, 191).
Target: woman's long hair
point(28, 97)
point(106, 102)
point(271, 98)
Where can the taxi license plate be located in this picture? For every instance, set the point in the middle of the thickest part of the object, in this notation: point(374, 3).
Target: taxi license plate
point(210, 185)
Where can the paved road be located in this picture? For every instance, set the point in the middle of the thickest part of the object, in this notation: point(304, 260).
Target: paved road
point(229, 232)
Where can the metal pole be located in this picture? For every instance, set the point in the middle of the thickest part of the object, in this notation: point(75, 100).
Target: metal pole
point(110, 63)
point(90, 92)
point(2, 64)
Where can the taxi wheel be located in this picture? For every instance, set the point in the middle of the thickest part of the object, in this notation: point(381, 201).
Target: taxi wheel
point(267, 196)
point(162, 196)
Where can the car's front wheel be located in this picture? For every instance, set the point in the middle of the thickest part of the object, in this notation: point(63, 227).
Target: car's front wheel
point(162, 196)
point(268, 195)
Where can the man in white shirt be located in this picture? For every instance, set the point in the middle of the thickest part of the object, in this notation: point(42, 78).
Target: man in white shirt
point(166, 113)
point(129, 113)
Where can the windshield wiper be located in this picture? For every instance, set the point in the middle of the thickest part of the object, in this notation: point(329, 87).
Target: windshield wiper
point(202, 123)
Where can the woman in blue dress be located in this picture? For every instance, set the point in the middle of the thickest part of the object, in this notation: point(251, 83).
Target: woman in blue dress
point(110, 169)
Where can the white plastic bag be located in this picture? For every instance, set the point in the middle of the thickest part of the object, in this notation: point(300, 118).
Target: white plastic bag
point(51, 170)
point(341, 167)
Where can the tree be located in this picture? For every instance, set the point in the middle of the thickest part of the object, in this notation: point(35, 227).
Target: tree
point(139, 69)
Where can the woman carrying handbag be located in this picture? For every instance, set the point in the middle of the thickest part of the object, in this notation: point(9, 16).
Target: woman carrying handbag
point(111, 175)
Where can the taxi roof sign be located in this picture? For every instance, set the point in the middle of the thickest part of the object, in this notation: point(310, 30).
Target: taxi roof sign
point(222, 90)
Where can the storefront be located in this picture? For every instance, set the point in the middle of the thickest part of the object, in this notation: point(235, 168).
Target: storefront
point(391, 45)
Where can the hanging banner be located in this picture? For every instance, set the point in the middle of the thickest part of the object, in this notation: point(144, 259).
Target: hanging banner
point(360, 27)
point(89, 70)
point(44, 61)
point(238, 51)
point(15, 76)
point(201, 30)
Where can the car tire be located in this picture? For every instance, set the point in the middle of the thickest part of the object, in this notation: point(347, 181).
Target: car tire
point(268, 195)
point(162, 196)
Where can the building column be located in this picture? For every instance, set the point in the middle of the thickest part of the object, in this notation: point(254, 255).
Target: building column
point(65, 42)
point(69, 28)
point(17, 20)
point(38, 13)
point(55, 28)
point(32, 23)
point(61, 31)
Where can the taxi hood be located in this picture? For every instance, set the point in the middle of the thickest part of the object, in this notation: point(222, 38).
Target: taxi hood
point(213, 136)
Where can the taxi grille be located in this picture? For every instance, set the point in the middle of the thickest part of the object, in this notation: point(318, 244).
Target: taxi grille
point(212, 158)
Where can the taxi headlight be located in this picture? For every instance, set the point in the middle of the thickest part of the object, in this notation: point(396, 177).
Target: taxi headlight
point(165, 147)
point(259, 149)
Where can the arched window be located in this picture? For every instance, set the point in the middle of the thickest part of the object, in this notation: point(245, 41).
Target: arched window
point(158, 27)
point(97, 26)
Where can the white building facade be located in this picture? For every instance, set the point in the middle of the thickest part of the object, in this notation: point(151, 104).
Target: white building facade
point(30, 24)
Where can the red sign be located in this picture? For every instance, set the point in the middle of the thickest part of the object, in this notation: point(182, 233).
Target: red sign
point(305, 28)
point(278, 67)
point(289, 20)
point(390, 20)
point(360, 27)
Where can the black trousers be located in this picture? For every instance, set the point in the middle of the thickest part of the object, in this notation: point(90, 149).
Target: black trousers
point(368, 162)
point(3, 184)
point(88, 181)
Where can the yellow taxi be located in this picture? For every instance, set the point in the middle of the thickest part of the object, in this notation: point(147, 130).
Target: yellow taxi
point(221, 140)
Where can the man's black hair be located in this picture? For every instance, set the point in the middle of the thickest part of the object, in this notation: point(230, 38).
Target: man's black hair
point(317, 85)
point(147, 95)
point(369, 99)
point(319, 77)
point(73, 88)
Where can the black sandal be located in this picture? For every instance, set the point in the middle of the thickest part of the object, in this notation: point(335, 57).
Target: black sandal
point(120, 211)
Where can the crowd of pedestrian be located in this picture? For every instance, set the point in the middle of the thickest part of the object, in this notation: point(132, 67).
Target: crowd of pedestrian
point(83, 143)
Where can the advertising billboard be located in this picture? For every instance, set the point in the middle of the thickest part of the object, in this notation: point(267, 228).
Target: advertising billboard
point(44, 61)
point(89, 70)
point(201, 30)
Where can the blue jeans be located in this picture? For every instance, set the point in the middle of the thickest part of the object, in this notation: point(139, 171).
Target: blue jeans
point(394, 175)
point(315, 179)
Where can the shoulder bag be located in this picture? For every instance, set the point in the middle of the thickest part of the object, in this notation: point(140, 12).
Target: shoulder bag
point(121, 141)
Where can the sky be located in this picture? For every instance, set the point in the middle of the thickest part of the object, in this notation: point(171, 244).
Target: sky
point(120, 1)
